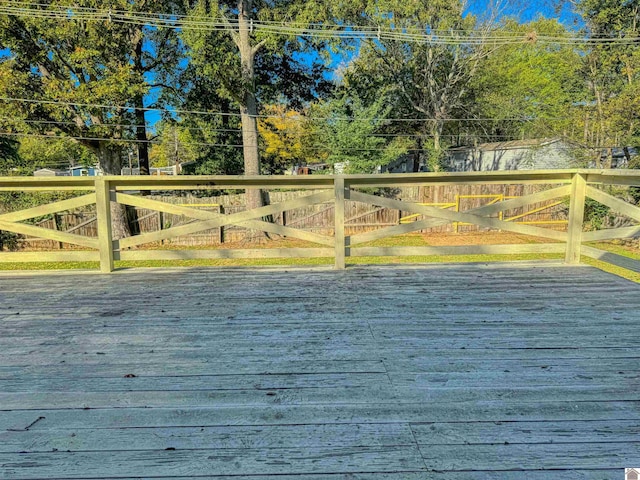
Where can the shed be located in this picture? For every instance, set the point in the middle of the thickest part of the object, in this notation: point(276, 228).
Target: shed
point(82, 171)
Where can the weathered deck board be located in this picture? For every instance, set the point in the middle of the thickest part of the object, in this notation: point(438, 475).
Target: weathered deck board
point(301, 397)
point(600, 474)
point(245, 461)
point(450, 372)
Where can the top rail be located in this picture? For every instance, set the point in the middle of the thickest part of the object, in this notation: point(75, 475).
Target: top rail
point(608, 177)
point(105, 191)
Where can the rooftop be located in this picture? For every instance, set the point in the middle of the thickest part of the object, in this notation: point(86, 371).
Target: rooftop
point(511, 144)
point(386, 373)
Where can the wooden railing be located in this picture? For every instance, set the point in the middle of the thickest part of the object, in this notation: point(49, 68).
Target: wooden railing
point(574, 185)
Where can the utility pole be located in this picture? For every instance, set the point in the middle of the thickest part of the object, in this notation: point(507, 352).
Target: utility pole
point(175, 148)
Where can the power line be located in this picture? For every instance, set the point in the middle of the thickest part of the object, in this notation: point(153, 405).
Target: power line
point(102, 139)
point(159, 142)
point(317, 30)
point(307, 148)
point(279, 130)
point(274, 116)
point(116, 107)
point(117, 125)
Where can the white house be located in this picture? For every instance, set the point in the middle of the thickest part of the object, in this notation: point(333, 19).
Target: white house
point(535, 154)
point(50, 172)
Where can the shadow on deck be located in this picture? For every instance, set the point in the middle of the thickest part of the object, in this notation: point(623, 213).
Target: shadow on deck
point(397, 373)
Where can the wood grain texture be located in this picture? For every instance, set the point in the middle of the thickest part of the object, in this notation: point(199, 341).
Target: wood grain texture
point(576, 219)
point(216, 221)
point(49, 234)
point(458, 216)
point(49, 208)
point(386, 373)
point(611, 233)
point(484, 210)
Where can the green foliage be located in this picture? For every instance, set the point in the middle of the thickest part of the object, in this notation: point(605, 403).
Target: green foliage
point(424, 81)
point(222, 161)
point(83, 62)
point(278, 75)
point(434, 156)
point(49, 153)
point(9, 158)
point(537, 81)
point(348, 134)
point(213, 142)
point(588, 93)
point(177, 145)
point(612, 73)
point(9, 240)
point(595, 214)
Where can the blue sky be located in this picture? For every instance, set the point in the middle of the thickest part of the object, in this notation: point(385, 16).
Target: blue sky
point(527, 11)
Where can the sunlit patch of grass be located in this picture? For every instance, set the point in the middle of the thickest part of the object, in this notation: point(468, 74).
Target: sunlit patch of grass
point(624, 250)
point(615, 270)
point(411, 240)
point(49, 266)
point(454, 259)
point(399, 241)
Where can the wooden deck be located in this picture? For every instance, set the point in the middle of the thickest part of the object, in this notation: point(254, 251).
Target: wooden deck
point(397, 373)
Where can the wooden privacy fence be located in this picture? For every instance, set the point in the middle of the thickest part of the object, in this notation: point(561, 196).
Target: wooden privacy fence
point(570, 186)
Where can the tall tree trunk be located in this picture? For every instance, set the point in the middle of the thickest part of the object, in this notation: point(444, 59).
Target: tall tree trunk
point(249, 106)
point(141, 136)
point(141, 128)
point(110, 162)
point(627, 156)
point(416, 155)
point(436, 132)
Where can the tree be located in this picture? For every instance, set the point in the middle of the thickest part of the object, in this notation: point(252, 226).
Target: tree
point(216, 139)
point(58, 153)
point(527, 89)
point(611, 70)
point(248, 62)
point(427, 79)
point(9, 158)
point(177, 145)
point(348, 134)
point(84, 78)
point(285, 136)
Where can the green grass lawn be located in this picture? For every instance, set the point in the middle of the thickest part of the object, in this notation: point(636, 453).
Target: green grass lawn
point(401, 241)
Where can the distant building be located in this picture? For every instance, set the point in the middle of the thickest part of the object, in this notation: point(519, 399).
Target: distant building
point(403, 164)
point(86, 171)
point(619, 157)
point(340, 167)
point(307, 169)
point(172, 170)
point(50, 172)
point(535, 154)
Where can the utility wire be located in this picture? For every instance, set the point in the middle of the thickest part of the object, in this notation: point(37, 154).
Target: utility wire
point(115, 125)
point(97, 105)
point(301, 116)
point(158, 141)
point(324, 31)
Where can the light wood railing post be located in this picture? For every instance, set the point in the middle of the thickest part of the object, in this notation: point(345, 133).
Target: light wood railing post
point(105, 230)
point(340, 246)
point(576, 219)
